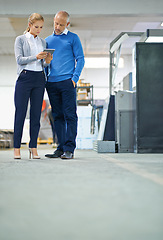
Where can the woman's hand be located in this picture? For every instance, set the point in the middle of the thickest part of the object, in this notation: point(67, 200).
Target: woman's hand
point(48, 58)
point(41, 55)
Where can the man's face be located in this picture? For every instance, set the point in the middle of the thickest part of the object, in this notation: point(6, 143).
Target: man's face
point(60, 23)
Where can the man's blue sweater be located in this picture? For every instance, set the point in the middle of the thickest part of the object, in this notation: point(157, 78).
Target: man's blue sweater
point(68, 57)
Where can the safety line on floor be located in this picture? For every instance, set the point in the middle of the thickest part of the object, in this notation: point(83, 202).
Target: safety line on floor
point(134, 169)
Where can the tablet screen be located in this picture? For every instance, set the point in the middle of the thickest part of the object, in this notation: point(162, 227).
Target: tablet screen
point(49, 50)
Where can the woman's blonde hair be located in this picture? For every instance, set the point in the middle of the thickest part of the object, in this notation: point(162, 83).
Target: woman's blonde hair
point(32, 19)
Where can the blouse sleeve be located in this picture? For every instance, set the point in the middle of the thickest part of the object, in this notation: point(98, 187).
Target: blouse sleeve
point(19, 53)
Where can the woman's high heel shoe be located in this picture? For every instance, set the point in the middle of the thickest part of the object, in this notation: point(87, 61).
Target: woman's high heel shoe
point(17, 153)
point(31, 154)
point(17, 157)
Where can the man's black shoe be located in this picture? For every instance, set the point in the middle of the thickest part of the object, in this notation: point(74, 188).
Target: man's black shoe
point(56, 154)
point(67, 155)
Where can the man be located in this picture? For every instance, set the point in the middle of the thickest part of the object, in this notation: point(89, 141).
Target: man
point(62, 76)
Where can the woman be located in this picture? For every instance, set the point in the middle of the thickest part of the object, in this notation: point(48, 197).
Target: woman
point(30, 84)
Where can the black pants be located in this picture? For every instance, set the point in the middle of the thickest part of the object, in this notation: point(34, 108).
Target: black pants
point(62, 96)
point(29, 85)
point(50, 116)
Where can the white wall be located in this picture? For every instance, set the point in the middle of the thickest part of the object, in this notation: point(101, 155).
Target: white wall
point(99, 78)
point(7, 70)
point(7, 81)
point(6, 107)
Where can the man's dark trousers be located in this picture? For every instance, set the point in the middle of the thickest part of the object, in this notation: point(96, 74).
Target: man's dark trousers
point(62, 96)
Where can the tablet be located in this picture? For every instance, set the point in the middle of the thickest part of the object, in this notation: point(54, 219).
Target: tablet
point(49, 50)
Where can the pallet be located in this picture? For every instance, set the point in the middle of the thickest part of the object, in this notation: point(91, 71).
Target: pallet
point(44, 141)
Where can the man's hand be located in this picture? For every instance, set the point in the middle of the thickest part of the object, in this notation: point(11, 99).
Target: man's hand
point(48, 58)
point(74, 83)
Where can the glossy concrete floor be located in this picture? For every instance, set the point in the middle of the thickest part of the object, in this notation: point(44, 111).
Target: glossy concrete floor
point(93, 197)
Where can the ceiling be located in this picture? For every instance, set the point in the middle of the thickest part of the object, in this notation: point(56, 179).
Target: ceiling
point(96, 31)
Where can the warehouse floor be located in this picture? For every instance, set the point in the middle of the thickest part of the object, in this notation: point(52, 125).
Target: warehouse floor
point(113, 196)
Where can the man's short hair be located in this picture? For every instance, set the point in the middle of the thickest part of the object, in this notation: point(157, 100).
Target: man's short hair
point(65, 14)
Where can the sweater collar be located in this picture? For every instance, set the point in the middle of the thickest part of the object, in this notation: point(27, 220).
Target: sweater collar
point(64, 32)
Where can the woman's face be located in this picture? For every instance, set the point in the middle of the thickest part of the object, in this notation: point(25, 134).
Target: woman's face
point(36, 27)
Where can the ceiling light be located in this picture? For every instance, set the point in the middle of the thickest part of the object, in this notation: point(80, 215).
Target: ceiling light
point(101, 62)
point(153, 35)
point(96, 62)
point(154, 39)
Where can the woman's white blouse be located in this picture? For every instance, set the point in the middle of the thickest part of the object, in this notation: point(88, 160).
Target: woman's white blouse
point(36, 47)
